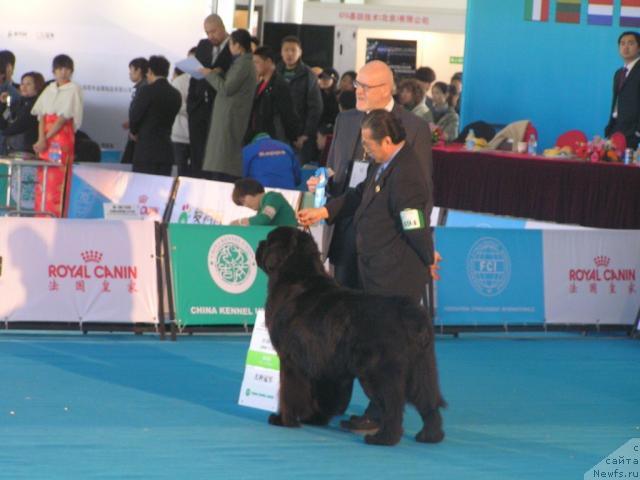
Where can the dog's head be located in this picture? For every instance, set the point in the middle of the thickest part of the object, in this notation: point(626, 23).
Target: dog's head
point(287, 248)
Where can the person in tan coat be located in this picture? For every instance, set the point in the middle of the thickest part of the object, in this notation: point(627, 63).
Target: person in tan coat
point(231, 110)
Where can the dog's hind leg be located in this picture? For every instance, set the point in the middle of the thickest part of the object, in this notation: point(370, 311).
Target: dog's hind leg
point(295, 397)
point(423, 391)
point(388, 393)
point(331, 397)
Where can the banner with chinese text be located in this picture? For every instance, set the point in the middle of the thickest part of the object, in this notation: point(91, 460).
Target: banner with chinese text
point(62, 270)
point(207, 202)
point(591, 276)
point(94, 186)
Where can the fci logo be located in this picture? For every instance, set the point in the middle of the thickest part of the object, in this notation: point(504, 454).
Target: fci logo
point(489, 266)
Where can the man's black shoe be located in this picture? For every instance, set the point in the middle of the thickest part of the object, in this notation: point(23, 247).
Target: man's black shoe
point(360, 424)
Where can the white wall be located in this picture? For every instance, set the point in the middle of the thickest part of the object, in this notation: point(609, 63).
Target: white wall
point(101, 37)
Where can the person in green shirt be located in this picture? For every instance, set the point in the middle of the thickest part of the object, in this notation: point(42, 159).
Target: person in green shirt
point(272, 207)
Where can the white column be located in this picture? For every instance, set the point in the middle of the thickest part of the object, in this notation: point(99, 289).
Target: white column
point(284, 11)
point(226, 9)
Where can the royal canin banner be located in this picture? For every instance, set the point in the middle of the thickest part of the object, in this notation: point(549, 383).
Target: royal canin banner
point(207, 202)
point(77, 271)
point(592, 276)
point(93, 186)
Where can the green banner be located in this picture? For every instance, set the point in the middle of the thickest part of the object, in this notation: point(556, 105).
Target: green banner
point(3, 186)
point(456, 60)
point(216, 280)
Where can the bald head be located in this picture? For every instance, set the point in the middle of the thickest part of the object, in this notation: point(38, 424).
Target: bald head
point(215, 30)
point(374, 86)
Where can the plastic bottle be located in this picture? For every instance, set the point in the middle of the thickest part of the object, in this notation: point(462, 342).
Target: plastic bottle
point(470, 140)
point(532, 145)
point(636, 156)
point(55, 153)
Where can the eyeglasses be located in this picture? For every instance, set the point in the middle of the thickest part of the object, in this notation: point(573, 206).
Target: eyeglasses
point(364, 86)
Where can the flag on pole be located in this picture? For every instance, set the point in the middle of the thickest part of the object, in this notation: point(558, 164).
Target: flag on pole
point(536, 10)
point(600, 12)
point(568, 11)
point(630, 13)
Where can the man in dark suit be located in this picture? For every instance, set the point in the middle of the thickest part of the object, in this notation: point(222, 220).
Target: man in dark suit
point(374, 90)
point(138, 68)
point(625, 108)
point(212, 52)
point(390, 209)
point(151, 118)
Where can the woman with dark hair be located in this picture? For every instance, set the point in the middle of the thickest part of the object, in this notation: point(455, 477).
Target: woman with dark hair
point(444, 114)
point(328, 82)
point(411, 96)
point(346, 82)
point(59, 112)
point(231, 110)
point(20, 129)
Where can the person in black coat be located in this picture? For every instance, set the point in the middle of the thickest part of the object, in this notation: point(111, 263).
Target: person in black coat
point(305, 92)
point(374, 91)
point(390, 211)
point(625, 106)
point(138, 68)
point(19, 128)
point(151, 120)
point(212, 52)
point(273, 111)
point(327, 80)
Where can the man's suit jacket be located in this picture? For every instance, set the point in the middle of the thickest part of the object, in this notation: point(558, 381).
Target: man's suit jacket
point(628, 99)
point(151, 119)
point(201, 95)
point(346, 146)
point(392, 259)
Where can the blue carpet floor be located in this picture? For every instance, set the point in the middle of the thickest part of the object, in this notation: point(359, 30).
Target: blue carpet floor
point(524, 406)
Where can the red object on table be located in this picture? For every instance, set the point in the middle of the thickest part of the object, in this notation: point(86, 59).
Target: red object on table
point(620, 142)
point(572, 139)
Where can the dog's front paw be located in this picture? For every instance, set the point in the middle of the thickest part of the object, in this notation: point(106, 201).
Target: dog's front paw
point(278, 420)
point(275, 419)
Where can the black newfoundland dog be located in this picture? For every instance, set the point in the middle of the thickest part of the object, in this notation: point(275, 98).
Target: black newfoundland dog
point(326, 336)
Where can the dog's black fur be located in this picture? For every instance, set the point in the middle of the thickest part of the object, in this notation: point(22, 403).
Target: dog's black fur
point(326, 336)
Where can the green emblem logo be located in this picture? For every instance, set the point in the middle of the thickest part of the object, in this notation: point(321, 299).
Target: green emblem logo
point(232, 264)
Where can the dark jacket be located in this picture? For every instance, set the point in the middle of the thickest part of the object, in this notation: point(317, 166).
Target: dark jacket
point(151, 118)
point(345, 147)
point(273, 112)
point(201, 95)
point(127, 155)
point(628, 99)
point(392, 259)
point(20, 131)
point(306, 96)
point(330, 108)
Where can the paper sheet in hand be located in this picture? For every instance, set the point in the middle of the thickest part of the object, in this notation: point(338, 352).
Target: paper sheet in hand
point(191, 66)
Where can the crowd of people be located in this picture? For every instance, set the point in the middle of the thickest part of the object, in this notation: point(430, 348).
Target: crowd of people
point(247, 98)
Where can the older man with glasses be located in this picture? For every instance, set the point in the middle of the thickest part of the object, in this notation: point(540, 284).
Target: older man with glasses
point(374, 90)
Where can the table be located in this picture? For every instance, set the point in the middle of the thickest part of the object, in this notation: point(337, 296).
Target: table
point(601, 195)
point(14, 168)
